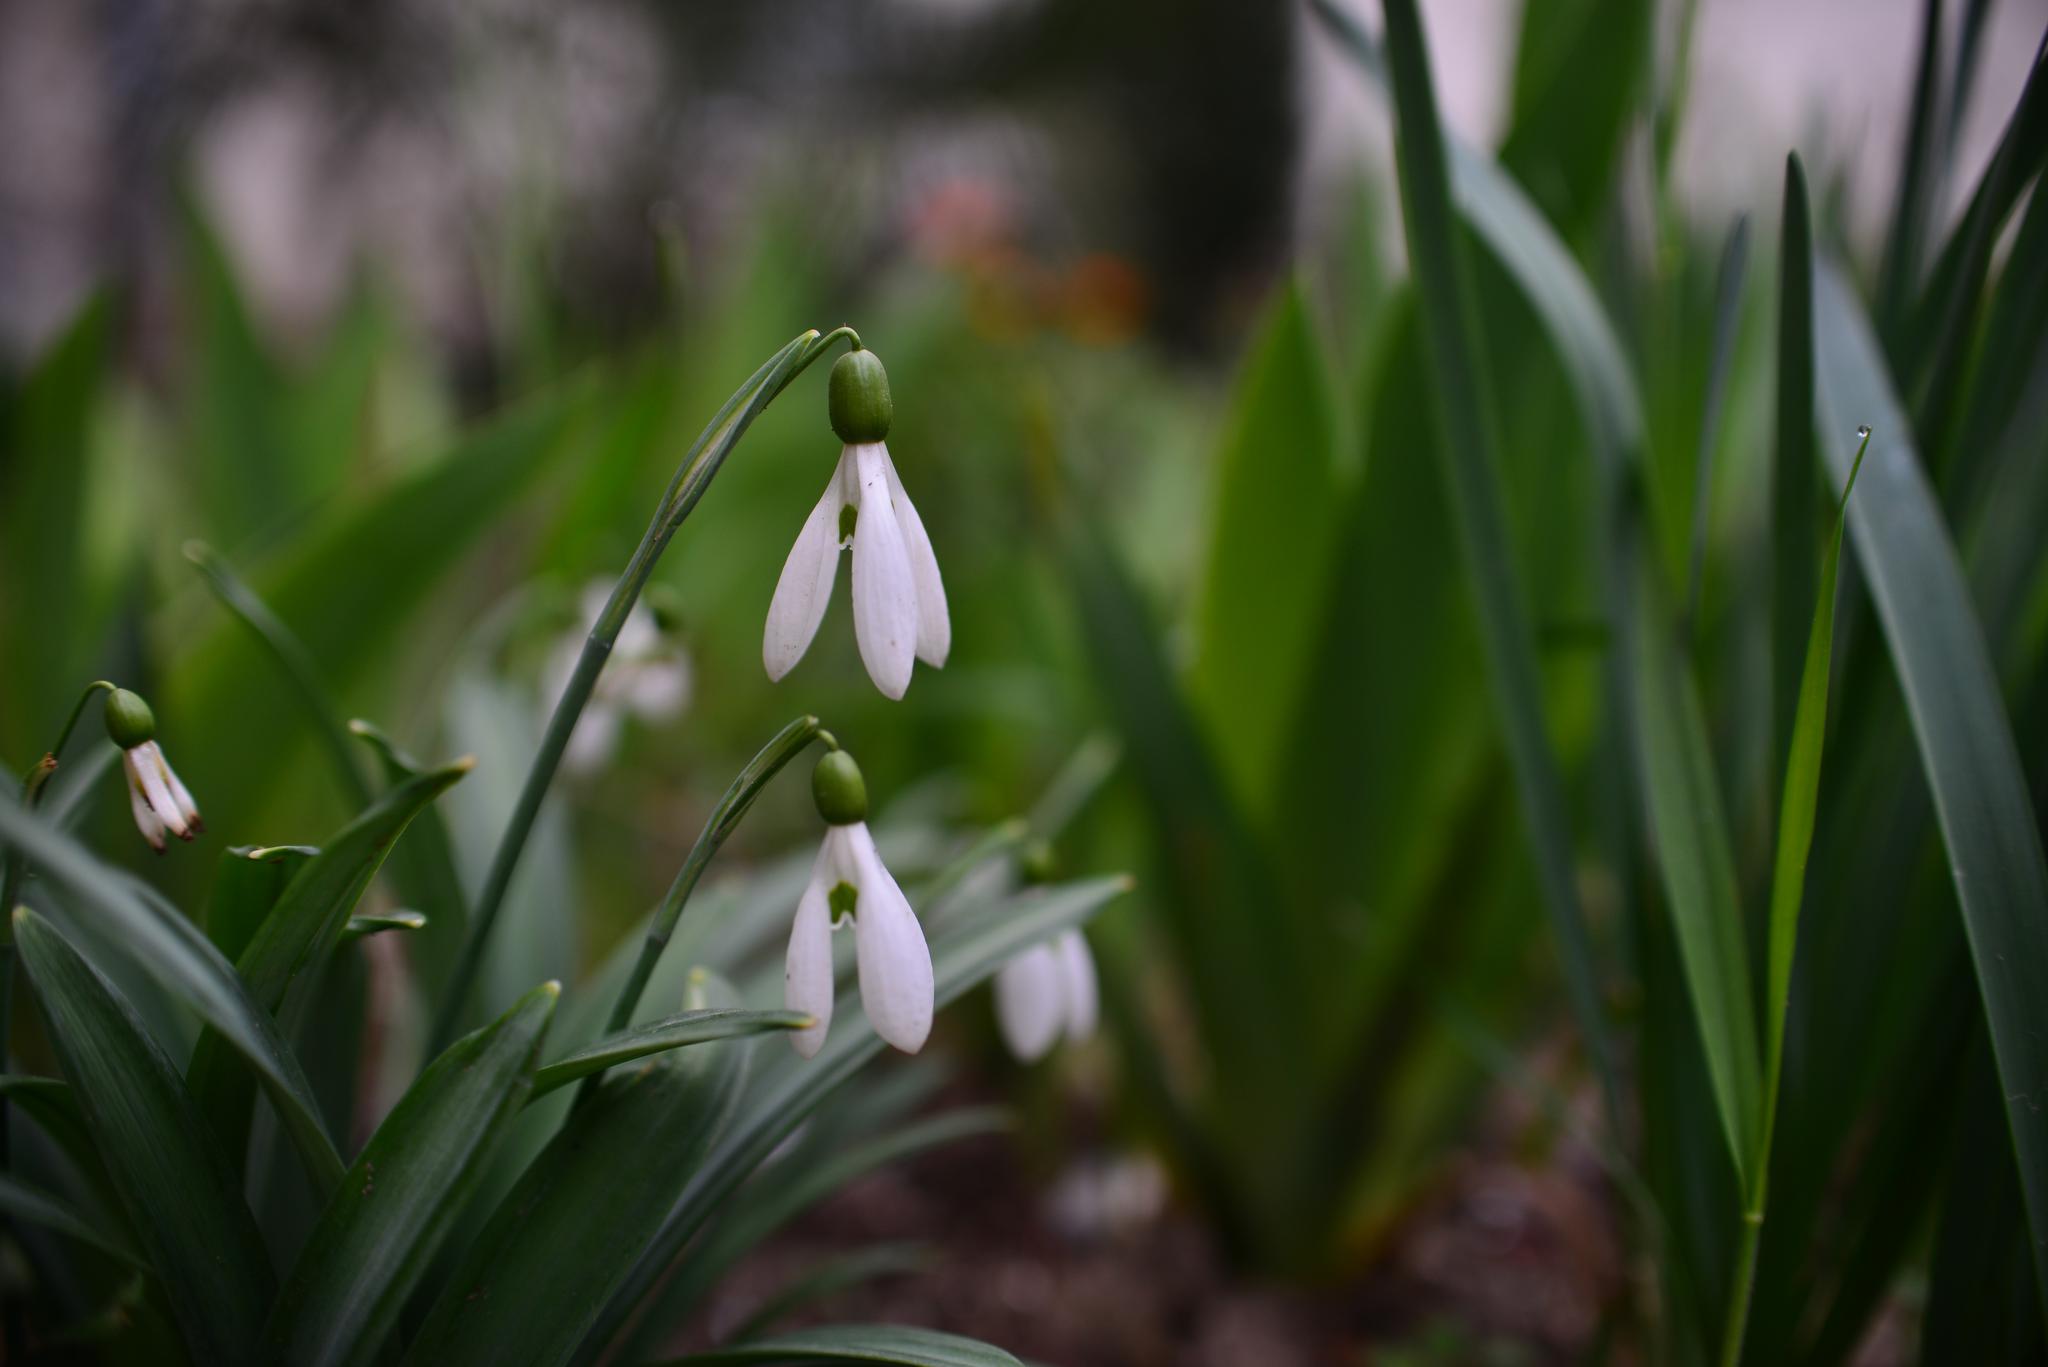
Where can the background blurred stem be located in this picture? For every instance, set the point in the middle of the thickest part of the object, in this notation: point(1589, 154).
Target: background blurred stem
point(691, 479)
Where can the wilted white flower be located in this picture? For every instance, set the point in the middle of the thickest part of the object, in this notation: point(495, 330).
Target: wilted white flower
point(1045, 992)
point(849, 885)
point(899, 602)
point(647, 676)
point(157, 799)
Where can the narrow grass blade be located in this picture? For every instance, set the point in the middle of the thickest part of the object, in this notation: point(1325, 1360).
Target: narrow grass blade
point(1952, 699)
point(573, 1226)
point(1796, 809)
point(180, 1194)
point(387, 1219)
point(673, 1032)
point(23, 1201)
point(883, 1343)
point(174, 952)
point(1793, 463)
point(1469, 451)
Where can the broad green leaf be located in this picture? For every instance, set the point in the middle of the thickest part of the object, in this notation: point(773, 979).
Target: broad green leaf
point(884, 1343)
point(23, 1201)
point(787, 1188)
point(388, 1217)
point(1470, 454)
point(672, 1032)
point(1581, 70)
point(573, 1226)
point(1919, 181)
point(1952, 699)
point(303, 927)
point(247, 881)
point(172, 950)
point(1275, 508)
point(787, 1090)
point(178, 1189)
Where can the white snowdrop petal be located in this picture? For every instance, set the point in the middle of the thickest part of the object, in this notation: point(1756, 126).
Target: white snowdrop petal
point(1078, 989)
point(896, 987)
point(1029, 1002)
point(807, 969)
point(149, 769)
point(186, 806)
point(805, 588)
point(884, 594)
point(934, 627)
point(658, 689)
point(145, 819)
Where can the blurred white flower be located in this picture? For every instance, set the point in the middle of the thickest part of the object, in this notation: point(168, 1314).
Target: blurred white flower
point(849, 883)
point(899, 603)
point(647, 676)
point(1045, 992)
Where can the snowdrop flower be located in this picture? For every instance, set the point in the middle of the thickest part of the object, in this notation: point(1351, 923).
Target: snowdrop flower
point(849, 885)
point(159, 802)
point(899, 604)
point(1045, 992)
point(647, 676)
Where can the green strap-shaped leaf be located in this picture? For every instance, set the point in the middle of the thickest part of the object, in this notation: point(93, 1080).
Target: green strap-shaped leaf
point(24, 1201)
point(181, 1196)
point(359, 926)
point(1952, 699)
point(574, 1225)
point(790, 1088)
point(422, 867)
point(1793, 467)
point(1469, 452)
point(387, 1220)
point(174, 952)
point(671, 1032)
point(247, 882)
point(301, 930)
point(885, 1343)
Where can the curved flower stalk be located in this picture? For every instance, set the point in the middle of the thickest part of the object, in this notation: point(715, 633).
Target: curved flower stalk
point(850, 886)
point(157, 799)
point(650, 678)
point(899, 601)
point(1046, 992)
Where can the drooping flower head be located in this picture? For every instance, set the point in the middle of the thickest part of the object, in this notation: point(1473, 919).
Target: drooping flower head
point(849, 886)
point(899, 603)
point(155, 796)
point(1048, 991)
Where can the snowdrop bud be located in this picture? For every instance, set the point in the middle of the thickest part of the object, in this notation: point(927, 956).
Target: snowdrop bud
point(858, 398)
point(839, 790)
point(129, 721)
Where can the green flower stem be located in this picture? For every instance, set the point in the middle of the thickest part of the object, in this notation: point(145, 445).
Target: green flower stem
point(788, 743)
point(699, 467)
point(12, 870)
